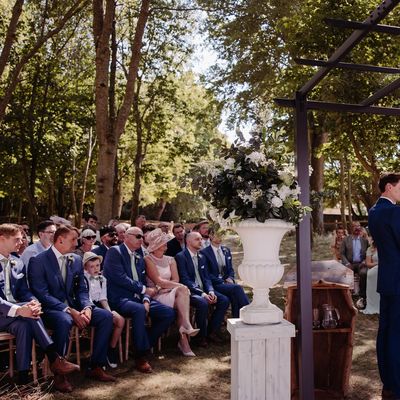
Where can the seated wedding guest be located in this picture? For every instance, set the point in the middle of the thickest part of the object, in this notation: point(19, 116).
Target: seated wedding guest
point(97, 285)
point(57, 280)
point(338, 237)
point(89, 221)
point(193, 273)
point(140, 221)
point(88, 237)
point(23, 244)
point(177, 243)
point(28, 232)
point(121, 229)
point(164, 226)
point(45, 230)
point(146, 230)
point(353, 250)
point(20, 311)
point(373, 298)
point(202, 227)
point(108, 237)
point(113, 222)
point(220, 269)
point(162, 273)
point(130, 297)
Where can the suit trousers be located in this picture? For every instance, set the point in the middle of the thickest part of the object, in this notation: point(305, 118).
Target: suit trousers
point(61, 322)
point(236, 296)
point(388, 343)
point(361, 269)
point(201, 306)
point(24, 330)
point(161, 316)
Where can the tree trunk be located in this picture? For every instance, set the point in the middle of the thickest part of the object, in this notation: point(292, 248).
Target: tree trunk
point(160, 208)
point(342, 195)
point(349, 189)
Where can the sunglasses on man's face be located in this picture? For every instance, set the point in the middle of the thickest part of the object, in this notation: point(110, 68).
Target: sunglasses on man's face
point(90, 237)
point(137, 235)
point(112, 234)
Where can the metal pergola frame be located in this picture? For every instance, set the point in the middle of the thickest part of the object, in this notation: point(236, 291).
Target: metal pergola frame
point(302, 105)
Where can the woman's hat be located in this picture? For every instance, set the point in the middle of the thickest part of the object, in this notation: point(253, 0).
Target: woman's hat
point(156, 239)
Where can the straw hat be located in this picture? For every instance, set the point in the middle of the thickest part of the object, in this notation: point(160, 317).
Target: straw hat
point(156, 239)
point(91, 256)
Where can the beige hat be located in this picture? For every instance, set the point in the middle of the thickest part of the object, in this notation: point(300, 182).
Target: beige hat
point(156, 239)
point(91, 256)
point(87, 232)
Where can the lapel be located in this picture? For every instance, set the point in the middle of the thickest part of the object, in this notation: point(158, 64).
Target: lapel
point(54, 267)
point(189, 263)
point(2, 295)
point(69, 267)
point(127, 260)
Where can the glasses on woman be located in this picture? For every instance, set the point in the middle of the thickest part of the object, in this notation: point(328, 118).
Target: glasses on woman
point(89, 237)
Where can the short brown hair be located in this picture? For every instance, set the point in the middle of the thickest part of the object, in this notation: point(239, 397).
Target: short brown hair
point(177, 226)
point(9, 229)
point(390, 177)
point(64, 230)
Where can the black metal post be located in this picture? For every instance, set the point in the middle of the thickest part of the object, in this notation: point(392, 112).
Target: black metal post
point(303, 250)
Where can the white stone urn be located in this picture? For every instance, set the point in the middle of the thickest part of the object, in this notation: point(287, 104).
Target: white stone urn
point(261, 268)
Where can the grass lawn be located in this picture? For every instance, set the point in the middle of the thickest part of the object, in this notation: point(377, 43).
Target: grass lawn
point(207, 376)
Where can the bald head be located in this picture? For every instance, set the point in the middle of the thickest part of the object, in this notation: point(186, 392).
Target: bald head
point(133, 238)
point(193, 241)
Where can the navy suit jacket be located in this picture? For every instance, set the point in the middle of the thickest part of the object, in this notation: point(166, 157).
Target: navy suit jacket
point(212, 265)
point(101, 251)
point(120, 283)
point(384, 225)
point(47, 284)
point(19, 286)
point(187, 275)
point(173, 248)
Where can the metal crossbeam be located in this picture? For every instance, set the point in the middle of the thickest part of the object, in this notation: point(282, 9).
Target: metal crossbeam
point(340, 107)
point(381, 93)
point(374, 18)
point(341, 23)
point(358, 67)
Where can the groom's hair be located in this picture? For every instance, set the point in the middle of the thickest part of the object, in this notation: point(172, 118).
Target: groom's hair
point(389, 177)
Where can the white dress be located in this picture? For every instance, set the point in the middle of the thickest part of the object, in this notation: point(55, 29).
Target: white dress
point(164, 296)
point(373, 297)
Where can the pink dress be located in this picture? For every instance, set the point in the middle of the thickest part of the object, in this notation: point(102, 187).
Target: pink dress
point(164, 296)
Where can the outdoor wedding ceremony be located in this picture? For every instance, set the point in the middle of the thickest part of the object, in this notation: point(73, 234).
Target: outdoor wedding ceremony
point(199, 199)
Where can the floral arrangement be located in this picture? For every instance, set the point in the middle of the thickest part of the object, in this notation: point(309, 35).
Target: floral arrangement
point(248, 183)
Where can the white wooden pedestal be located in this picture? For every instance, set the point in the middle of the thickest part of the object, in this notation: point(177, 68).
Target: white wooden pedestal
point(260, 366)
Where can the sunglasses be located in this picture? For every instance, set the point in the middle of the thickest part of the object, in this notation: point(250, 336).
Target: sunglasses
point(112, 234)
point(137, 235)
point(89, 237)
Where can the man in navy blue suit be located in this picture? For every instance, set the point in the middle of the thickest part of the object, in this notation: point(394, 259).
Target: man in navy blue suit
point(57, 280)
point(109, 238)
point(220, 269)
point(128, 295)
point(193, 273)
point(177, 243)
point(20, 311)
point(384, 225)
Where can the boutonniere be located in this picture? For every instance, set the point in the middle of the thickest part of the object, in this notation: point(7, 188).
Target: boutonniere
point(137, 256)
point(70, 259)
point(13, 263)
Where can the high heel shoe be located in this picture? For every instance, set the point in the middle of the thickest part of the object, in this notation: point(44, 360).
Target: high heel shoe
point(189, 332)
point(187, 353)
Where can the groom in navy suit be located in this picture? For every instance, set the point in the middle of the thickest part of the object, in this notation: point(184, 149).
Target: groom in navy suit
point(57, 280)
point(193, 273)
point(129, 296)
point(220, 269)
point(384, 225)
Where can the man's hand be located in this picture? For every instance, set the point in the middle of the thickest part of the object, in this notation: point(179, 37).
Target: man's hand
point(36, 308)
point(79, 319)
point(229, 280)
point(213, 297)
point(87, 314)
point(26, 312)
point(146, 305)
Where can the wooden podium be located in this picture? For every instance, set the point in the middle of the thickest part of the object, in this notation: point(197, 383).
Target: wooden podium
point(333, 348)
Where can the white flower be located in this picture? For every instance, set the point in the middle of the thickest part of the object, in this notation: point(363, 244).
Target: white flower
point(229, 164)
point(256, 158)
point(286, 177)
point(284, 192)
point(276, 202)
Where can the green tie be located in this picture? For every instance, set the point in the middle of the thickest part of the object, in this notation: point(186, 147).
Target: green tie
point(220, 260)
point(133, 267)
point(196, 271)
point(7, 280)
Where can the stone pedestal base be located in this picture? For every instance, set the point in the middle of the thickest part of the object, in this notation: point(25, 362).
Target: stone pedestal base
point(260, 366)
point(258, 315)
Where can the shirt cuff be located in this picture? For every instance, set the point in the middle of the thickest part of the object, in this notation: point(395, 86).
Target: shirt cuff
point(12, 311)
point(143, 290)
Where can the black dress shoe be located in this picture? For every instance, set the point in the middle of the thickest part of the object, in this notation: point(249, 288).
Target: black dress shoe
point(388, 395)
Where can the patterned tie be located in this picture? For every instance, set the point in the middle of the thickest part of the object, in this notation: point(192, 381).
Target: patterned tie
point(63, 267)
point(7, 280)
point(2, 276)
point(220, 260)
point(133, 267)
point(196, 271)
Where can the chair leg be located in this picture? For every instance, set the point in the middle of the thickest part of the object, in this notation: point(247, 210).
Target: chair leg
point(11, 357)
point(78, 347)
point(128, 331)
point(34, 362)
point(92, 331)
point(121, 357)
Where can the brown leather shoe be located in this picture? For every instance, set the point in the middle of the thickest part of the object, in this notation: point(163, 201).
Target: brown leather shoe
point(61, 384)
point(388, 395)
point(63, 367)
point(142, 365)
point(99, 374)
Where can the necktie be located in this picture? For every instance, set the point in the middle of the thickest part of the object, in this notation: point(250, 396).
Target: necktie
point(196, 271)
point(220, 260)
point(7, 281)
point(63, 267)
point(133, 267)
